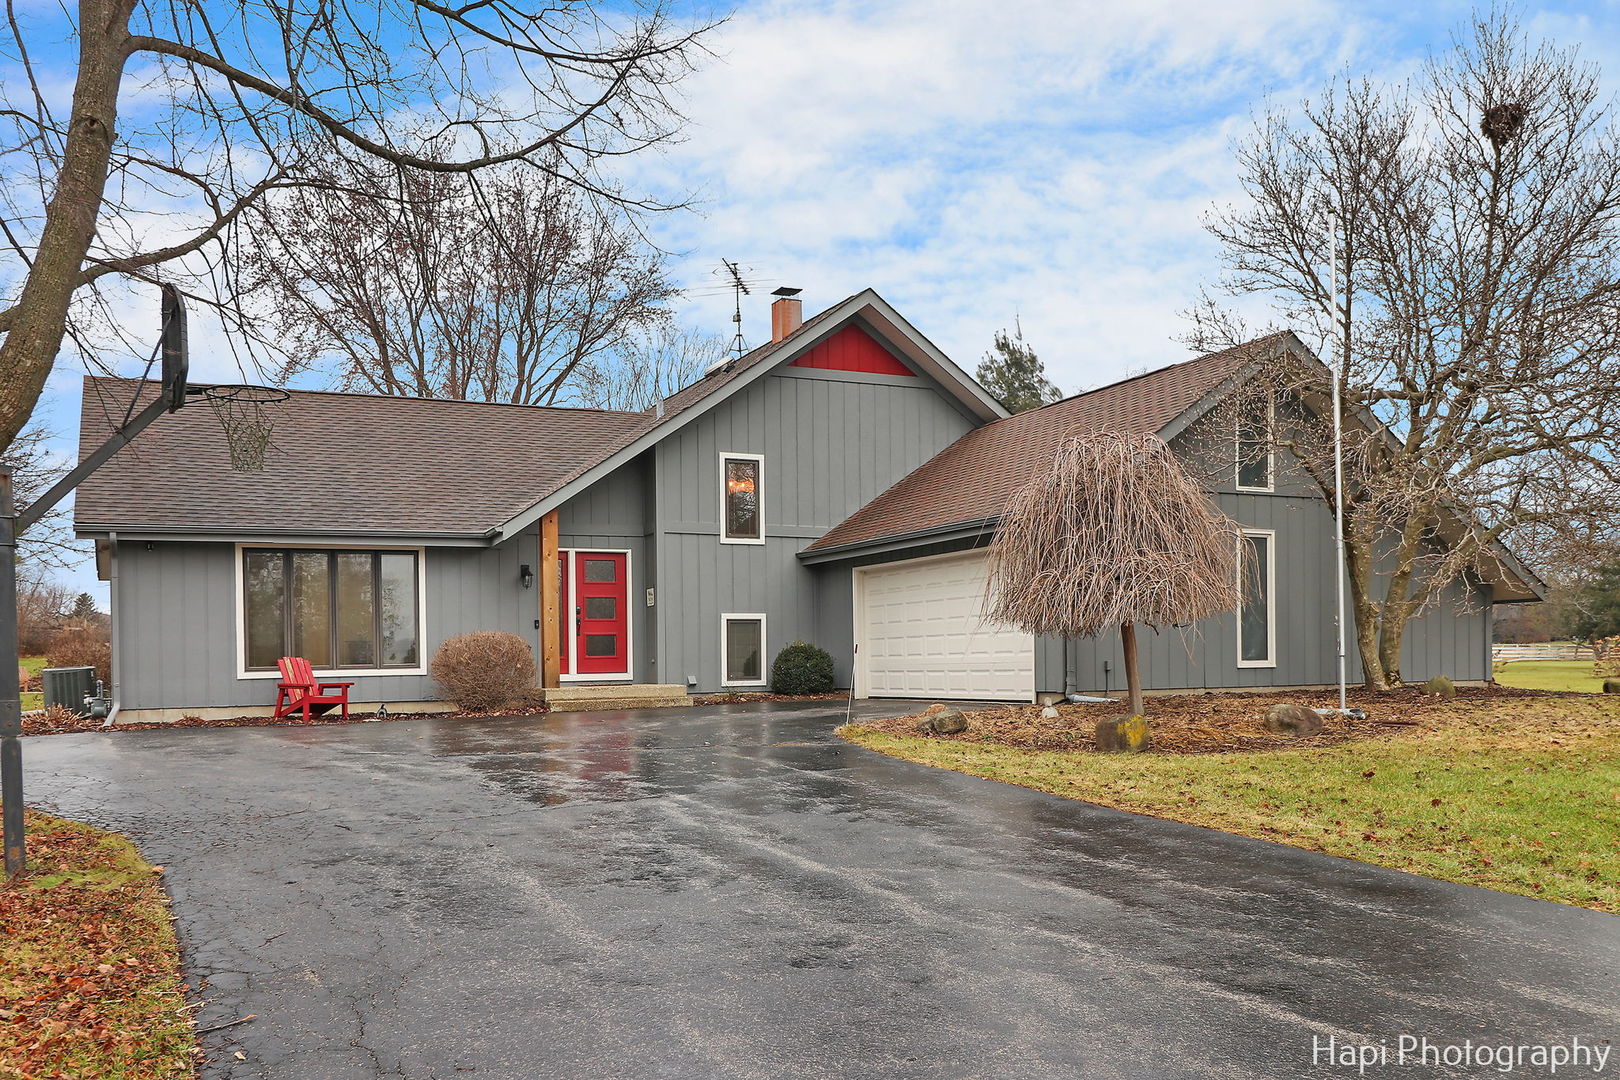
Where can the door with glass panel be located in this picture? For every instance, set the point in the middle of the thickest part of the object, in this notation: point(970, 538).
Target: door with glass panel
point(596, 592)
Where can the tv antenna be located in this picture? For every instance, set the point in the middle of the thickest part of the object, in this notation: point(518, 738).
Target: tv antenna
point(739, 289)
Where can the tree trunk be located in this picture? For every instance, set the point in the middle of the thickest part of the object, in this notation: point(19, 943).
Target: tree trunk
point(1358, 559)
point(40, 318)
point(1133, 677)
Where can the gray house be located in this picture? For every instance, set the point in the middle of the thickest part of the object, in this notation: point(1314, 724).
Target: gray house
point(836, 485)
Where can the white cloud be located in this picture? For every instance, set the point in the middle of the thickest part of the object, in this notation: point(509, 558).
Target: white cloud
point(972, 161)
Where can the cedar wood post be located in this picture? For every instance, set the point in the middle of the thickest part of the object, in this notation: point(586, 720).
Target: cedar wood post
point(550, 601)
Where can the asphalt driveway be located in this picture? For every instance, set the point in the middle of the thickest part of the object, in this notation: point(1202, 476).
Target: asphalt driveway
point(732, 892)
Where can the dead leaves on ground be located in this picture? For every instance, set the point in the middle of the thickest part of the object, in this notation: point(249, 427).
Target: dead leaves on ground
point(89, 968)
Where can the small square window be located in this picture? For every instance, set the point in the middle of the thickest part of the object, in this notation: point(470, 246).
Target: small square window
point(743, 650)
point(601, 644)
point(599, 571)
point(601, 607)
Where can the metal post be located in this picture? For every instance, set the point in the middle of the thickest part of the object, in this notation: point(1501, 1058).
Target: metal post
point(1338, 441)
point(11, 786)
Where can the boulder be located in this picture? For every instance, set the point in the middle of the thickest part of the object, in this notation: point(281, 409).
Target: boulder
point(1611, 686)
point(940, 720)
point(1123, 734)
point(1440, 686)
point(1295, 720)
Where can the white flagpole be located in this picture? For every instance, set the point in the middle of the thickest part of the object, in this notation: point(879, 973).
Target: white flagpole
point(1339, 346)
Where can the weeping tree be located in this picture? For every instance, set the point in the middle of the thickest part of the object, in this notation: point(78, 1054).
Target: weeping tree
point(1114, 533)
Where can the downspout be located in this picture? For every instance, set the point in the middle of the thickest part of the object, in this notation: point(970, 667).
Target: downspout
point(1071, 685)
point(112, 627)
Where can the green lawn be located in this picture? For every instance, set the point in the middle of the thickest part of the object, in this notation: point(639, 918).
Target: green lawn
point(1572, 675)
point(33, 665)
point(1522, 796)
point(90, 971)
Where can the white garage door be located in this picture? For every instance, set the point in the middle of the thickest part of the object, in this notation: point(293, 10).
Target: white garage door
point(921, 635)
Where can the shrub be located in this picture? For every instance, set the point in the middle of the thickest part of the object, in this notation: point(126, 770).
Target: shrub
point(802, 668)
point(483, 670)
point(79, 647)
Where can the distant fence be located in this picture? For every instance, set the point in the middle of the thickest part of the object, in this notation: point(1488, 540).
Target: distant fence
point(1544, 650)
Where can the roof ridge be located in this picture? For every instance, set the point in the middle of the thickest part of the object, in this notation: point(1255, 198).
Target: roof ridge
point(402, 397)
point(1154, 371)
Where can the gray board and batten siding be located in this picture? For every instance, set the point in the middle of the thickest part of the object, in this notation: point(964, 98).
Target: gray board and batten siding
point(832, 441)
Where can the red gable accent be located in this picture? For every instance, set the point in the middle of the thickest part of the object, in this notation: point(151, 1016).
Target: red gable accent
point(853, 349)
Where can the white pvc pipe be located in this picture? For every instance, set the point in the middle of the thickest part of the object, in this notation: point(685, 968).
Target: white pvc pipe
point(1337, 365)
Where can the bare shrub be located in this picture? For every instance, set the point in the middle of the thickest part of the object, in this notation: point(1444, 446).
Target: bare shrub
point(483, 670)
point(81, 647)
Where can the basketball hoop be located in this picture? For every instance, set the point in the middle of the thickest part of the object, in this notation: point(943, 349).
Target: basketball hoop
point(246, 414)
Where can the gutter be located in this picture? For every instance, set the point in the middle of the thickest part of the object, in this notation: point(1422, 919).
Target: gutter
point(956, 530)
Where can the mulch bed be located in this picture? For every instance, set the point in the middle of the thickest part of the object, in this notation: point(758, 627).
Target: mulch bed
point(65, 723)
point(1209, 723)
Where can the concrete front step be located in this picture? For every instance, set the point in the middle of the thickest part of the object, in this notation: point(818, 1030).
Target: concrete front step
point(589, 698)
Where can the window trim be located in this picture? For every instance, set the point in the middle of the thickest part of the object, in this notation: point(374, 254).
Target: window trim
point(1271, 450)
point(571, 646)
point(240, 578)
point(1271, 598)
point(759, 497)
point(726, 619)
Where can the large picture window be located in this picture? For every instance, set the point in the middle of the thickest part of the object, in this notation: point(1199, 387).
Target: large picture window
point(742, 650)
point(1255, 456)
point(742, 510)
point(336, 609)
point(1257, 619)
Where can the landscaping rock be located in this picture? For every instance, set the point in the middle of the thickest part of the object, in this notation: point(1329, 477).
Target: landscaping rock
point(940, 720)
point(1611, 686)
point(1440, 686)
point(1123, 734)
point(1295, 720)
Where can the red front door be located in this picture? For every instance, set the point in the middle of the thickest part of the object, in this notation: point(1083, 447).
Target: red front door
point(600, 593)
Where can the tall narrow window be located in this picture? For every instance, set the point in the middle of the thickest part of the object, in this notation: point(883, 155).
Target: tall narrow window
point(742, 511)
point(1254, 447)
point(336, 609)
point(1257, 626)
point(742, 650)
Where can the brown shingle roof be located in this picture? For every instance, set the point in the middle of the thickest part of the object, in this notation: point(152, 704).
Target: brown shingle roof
point(972, 479)
point(340, 463)
point(364, 463)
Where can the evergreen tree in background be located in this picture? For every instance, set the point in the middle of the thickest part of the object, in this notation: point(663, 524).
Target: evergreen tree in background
point(84, 607)
point(1014, 375)
point(1597, 605)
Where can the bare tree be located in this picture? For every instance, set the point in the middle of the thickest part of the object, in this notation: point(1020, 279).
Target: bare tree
point(1479, 237)
point(648, 369)
point(494, 287)
point(35, 468)
point(1116, 532)
point(233, 101)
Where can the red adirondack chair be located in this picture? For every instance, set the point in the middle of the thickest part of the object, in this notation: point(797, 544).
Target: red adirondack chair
point(299, 692)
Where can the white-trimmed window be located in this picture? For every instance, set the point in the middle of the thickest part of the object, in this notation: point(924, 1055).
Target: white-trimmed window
point(341, 608)
point(1257, 609)
point(742, 498)
point(1256, 457)
point(742, 650)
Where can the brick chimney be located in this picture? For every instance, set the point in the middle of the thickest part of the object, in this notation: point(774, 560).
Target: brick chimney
point(787, 313)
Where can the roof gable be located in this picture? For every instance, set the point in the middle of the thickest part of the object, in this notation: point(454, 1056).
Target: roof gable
point(972, 479)
point(877, 319)
point(852, 349)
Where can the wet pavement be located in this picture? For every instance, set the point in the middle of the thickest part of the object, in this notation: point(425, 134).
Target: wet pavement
point(729, 891)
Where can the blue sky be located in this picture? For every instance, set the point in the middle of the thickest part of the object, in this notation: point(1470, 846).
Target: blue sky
point(977, 163)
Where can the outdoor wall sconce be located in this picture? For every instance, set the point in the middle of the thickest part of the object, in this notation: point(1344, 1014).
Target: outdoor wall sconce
point(526, 575)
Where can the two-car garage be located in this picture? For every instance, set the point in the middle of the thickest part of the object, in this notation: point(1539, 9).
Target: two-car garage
point(921, 634)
